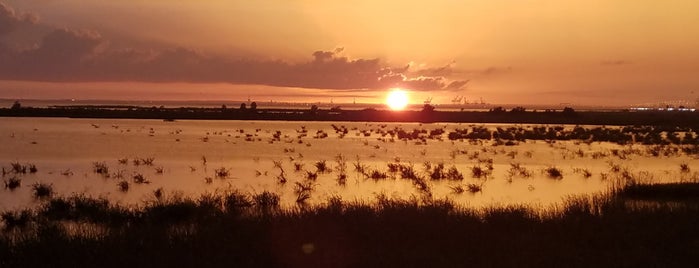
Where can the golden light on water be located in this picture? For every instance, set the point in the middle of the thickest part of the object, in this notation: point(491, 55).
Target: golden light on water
point(397, 99)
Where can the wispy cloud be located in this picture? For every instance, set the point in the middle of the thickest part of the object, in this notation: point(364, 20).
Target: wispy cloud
point(615, 62)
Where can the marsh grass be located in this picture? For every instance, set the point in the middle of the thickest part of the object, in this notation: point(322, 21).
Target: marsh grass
point(614, 167)
point(32, 168)
point(478, 172)
point(16, 219)
point(119, 174)
point(583, 171)
point(376, 175)
point(298, 167)
point(474, 188)
point(408, 172)
point(138, 178)
point(123, 186)
point(158, 194)
point(303, 186)
point(341, 179)
point(302, 198)
point(18, 168)
point(454, 174)
point(553, 173)
point(42, 190)
point(278, 164)
point(148, 161)
point(100, 168)
point(238, 230)
point(436, 172)
point(684, 191)
point(457, 189)
point(359, 167)
point(312, 176)
point(516, 169)
point(222, 173)
point(13, 183)
point(322, 166)
point(684, 168)
point(303, 191)
point(281, 178)
point(266, 200)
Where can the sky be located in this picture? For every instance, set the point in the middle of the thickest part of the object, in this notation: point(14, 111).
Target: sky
point(578, 52)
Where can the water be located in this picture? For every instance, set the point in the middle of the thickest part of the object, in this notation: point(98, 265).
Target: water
point(188, 152)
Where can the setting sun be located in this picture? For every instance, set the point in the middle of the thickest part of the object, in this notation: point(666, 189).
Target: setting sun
point(397, 99)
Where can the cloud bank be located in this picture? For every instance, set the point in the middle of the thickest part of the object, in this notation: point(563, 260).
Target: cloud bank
point(69, 55)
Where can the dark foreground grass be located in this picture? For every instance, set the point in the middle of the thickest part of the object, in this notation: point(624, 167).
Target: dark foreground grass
point(231, 230)
point(684, 191)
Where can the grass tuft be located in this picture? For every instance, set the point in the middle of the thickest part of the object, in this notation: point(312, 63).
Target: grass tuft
point(100, 168)
point(13, 183)
point(222, 173)
point(554, 173)
point(42, 190)
point(123, 186)
point(266, 200)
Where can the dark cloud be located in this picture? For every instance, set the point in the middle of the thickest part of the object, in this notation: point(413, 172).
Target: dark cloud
point(10, 20)
point(61, 55)
point(65, 55)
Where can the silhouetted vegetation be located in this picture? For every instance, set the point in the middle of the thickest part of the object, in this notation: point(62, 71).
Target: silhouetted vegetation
point(554, 173)
point(12, 183)
point(686, 191)
point(236, 230)
point(101, 168)
point(123, 186)
point(518, 115)
point(42, 190)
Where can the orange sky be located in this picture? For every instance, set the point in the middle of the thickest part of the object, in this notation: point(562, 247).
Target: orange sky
point(544, 52)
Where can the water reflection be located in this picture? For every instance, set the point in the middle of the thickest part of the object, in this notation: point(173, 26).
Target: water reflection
point(97, 157)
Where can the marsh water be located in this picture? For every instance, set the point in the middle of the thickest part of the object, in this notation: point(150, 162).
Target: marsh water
point(187, 155)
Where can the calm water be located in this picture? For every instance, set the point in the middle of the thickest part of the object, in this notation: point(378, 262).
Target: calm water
point(188, 152)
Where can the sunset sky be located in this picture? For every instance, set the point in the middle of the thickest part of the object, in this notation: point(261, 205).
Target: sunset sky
point(617, 52)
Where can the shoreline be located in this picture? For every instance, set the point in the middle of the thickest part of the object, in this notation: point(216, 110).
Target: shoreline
point(621, 118)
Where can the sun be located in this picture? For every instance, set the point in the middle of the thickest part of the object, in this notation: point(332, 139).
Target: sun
point(397, 99)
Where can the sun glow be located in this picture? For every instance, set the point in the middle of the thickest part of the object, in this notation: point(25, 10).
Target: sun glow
point(397, 99)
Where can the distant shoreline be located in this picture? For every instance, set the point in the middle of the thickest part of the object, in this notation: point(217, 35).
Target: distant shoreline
point(618, 118)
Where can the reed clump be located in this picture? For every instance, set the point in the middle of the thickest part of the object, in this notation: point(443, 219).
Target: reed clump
point(42, 190)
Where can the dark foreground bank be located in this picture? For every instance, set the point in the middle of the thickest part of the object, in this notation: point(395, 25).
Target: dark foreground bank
point(427, 114)
point(628, 228)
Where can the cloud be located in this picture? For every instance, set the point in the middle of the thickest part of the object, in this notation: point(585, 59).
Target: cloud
point(615, 62)
point(457, 85)
point(443, 71)
point(68, 55)
point(62, 54)
point(492, 71)
point(10, 20)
